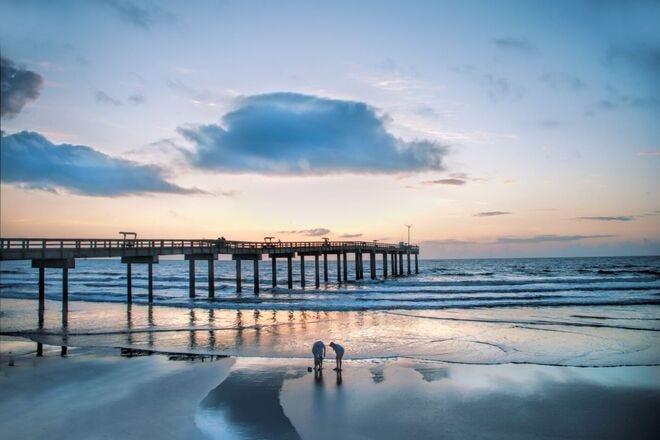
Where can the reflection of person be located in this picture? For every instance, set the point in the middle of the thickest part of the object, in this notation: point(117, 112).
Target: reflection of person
point(339, 353)
point(318, 350)
point(339, 380)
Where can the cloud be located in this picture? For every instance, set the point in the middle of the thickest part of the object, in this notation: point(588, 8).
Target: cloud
point(451, 181)
point(447, 242)
point(499, 88)
point(550, 123)
point(140, 14)
point(618, 218)
point(491, 213)
point(649, 153)
point(30, 159)
point(513, 43)
point(643, 56)
point(291, 133)
point(17, 87)
point(104, 98)
point(562, 80)
point(351, 235)
point(548, 238)
point(315, 232)
point(137, 98)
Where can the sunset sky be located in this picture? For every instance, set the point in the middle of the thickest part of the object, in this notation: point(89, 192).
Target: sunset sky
point(498, 129)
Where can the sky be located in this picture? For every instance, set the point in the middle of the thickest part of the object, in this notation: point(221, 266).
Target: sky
point(497, 129)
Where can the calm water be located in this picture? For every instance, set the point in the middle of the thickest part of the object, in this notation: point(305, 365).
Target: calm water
point(441, 284)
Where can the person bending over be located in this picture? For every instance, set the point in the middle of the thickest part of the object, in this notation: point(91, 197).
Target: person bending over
point(339, 353)
point(318, 350)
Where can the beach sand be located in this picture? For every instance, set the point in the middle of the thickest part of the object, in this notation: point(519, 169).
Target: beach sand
point(160, 372)
point(96, 393)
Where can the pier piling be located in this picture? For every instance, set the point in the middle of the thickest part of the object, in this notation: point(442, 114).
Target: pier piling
point(316, 268)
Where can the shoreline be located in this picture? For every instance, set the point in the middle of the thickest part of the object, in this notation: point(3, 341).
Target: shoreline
point(102, 392)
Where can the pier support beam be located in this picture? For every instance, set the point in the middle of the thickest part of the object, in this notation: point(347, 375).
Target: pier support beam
point(129, 261)
point(408, 255)
point(338, 268)
point(384, 264)
point(394, 274)
point(416, 266)
point(302, 271)
point(345, 267)
point(191, 278)
point(316, 271)
point(289, 272)
point(210, 258)
point(211, 278)
point(239, 286)
point(400, 264)
point(273, 262)
point(372, 265)
point(357, 266)
point(59, 263)
point(325, 267)
point(256, 275)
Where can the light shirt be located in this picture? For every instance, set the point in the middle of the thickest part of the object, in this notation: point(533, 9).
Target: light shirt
point(338, 349)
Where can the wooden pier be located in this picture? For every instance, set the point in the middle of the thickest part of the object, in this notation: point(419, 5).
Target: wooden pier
point(62, 254)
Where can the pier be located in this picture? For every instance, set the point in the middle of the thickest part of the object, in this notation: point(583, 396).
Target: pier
point(62, 254)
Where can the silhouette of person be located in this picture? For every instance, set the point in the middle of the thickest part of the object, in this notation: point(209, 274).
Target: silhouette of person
point(318, 350)
point(339, 354)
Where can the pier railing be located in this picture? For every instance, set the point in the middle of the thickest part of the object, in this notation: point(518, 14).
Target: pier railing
point(210, 244)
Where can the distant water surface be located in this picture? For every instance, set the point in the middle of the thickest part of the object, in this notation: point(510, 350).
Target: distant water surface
point(441, 284)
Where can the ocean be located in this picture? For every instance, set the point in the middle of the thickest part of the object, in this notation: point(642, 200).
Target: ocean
point(441, 284)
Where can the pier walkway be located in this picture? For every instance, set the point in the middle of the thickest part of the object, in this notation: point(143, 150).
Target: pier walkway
point(62, 253)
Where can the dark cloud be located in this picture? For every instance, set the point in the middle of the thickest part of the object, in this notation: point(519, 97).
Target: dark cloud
point(450, 181)
point(618, 218)
point(513, 43)
point(290, 133)
point(643, 56)
point(30, 159)
point(447, 242)
point(104, 98)
point(17, 87)
point(547, 238)
point(351, 235)
point(137, 98)
point(491, 213)
point(140, 14)
point(562, 80)
point(315, 232)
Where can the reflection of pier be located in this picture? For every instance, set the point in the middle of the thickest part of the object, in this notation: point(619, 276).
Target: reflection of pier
point(62, 253)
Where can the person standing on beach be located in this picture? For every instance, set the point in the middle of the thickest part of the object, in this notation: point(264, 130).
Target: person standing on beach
point(318, 350)
point(339, 352)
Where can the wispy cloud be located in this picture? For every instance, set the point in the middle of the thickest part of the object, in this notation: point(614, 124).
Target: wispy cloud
point(448, 181)
point(137, 98)
point(314, 232)
point(520, 44)
point(104, 98)
point(563, 80)
point(351, 235)
point(290, 133)
point(649, 153)
point(548, 238)
point(17, 87)
point(446, 242)
point(617, 218)
point(30, 159)
point(491, 213)
point(140, 14)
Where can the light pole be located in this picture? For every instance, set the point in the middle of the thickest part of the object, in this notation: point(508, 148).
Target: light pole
point(408, 226)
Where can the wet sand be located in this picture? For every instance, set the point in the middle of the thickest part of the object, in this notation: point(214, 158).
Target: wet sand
point(94, 393)
point(163, 372)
